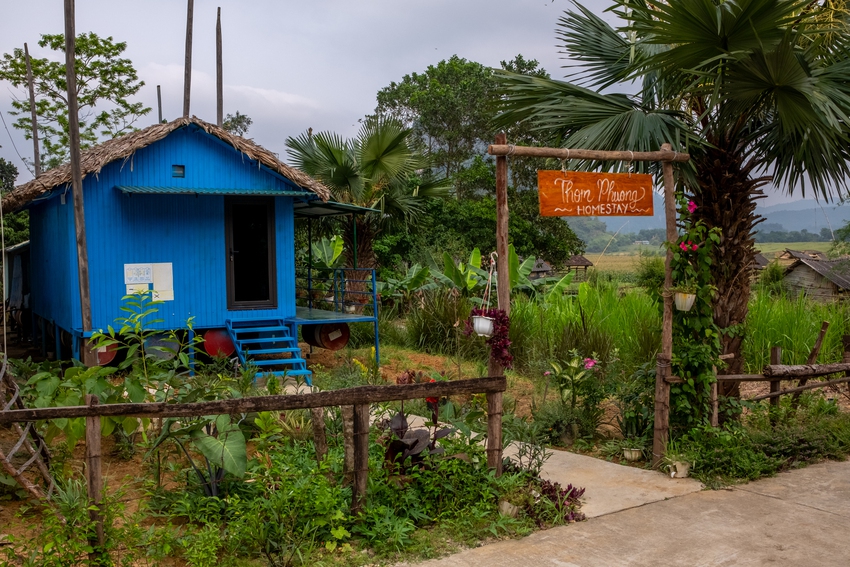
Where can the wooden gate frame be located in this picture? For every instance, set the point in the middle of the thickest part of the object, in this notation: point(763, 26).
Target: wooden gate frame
point(501, 149)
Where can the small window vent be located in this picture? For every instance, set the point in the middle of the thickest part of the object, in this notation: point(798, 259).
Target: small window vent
point(178, 171)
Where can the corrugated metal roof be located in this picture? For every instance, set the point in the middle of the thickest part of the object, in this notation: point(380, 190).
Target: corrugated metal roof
point(318, 208)
point(211, 191)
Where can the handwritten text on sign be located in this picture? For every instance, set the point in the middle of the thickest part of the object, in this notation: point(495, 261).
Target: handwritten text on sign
point(582, 194)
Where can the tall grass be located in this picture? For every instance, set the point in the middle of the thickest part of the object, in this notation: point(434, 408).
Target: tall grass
point(595, 322)
point(602, 318)
point(793, 324)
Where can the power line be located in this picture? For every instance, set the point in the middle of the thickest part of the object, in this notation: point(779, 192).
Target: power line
point(26, 165)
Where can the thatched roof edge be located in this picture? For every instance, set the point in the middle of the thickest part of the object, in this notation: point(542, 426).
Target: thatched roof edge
point(579, 260)
point(94, 159)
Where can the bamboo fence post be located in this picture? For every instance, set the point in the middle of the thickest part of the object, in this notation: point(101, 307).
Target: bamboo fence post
point(320, 440)
point(845, 341)
point(94, 478)
point(503, 284)
point(661, 429)
point(361, 458)
point(494, 431)
point(347, 444)
point(775, 385)
point(715, 405)
point(813, 357)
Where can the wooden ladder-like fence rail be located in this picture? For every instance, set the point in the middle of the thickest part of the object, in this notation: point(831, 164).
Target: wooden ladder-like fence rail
point(775, 373)
point(359, 397)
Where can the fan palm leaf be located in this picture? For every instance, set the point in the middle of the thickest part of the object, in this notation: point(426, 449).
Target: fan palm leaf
point(754, 90)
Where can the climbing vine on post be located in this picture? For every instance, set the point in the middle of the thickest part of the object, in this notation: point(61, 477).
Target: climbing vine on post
point(696, 339)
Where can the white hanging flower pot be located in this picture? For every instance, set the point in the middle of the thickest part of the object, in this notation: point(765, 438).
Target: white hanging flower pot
point(684, 301)
point(483, 326)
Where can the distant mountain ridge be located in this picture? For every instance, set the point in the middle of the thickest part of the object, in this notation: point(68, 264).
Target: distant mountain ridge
point(797, 215)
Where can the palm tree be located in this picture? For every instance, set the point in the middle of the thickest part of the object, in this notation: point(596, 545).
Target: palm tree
point(757, 91)
point(379, 169)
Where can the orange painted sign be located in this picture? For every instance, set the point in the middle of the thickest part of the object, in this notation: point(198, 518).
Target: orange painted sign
point(584, 194)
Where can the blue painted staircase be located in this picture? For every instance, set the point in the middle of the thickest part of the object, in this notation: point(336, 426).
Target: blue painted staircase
point(270, 345)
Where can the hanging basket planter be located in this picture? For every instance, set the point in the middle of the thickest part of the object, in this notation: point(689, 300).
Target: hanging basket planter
point(482, 325)
point(684, 301)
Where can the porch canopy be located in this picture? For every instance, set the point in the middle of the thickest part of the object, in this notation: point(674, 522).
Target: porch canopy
point(317, 208)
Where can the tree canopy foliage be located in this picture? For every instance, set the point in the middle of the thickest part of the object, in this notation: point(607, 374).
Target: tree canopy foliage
point(16, 225)
point(237, 123)
point(379, 169)
point(105, 83)
point(449, 108)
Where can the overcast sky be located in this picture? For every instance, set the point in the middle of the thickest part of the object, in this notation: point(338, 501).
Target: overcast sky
point(289, 65)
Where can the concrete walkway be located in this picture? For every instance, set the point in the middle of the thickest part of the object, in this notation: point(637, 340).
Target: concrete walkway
point(797, 518)
point(611, 487)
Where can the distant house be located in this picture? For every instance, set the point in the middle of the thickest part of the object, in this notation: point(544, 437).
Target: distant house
point(789, 256)
point(541, 269)
point(821, 280)
point(579, 264)
point(761, 262)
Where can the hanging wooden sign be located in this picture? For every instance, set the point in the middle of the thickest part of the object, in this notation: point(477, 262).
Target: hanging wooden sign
point(586, 194)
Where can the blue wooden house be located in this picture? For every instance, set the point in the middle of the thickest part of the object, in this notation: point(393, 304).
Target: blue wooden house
point(202, 217)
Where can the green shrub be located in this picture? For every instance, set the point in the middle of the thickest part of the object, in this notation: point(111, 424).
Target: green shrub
point(436, 325)
point(650, 274)
point(757, 448)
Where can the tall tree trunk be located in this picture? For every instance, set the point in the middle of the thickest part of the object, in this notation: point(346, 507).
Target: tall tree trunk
point(367, 232)
point(727, 199)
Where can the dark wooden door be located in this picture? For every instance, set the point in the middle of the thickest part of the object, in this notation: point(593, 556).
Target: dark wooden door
point(250, 249)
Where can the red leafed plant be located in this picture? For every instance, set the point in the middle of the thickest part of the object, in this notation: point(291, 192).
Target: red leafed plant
point(499, 342)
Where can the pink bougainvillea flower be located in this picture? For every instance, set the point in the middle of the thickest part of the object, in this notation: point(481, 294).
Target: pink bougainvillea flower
point(589, 363)
point(694, 247)
point(692, 207)
point(683, 246)
point(547, 373)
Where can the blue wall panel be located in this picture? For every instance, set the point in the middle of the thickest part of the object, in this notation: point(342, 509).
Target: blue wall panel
point(184, 230)
point(54, 291)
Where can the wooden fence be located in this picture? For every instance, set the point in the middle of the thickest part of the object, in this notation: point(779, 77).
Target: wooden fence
point(359, 398)
point(776, 372)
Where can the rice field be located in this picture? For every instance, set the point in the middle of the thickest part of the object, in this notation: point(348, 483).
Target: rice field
point(617, 262)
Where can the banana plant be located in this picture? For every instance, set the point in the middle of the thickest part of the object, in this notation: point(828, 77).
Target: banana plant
point(403, 289)
point(327, 253)
point(468, 278)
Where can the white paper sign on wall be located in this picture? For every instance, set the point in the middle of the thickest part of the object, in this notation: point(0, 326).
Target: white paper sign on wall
point(138, 273)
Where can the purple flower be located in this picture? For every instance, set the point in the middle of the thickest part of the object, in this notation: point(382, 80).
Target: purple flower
point(692, 207)
point(547, 373)
point(589, 363)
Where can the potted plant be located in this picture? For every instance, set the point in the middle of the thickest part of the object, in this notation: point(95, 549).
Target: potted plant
point(482, 325)
point(633, 448)
point(684, 295)
point(677, 461)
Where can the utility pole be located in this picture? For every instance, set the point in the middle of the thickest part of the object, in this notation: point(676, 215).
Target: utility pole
point(36, 156)
point(219, 79)
point(187, 70)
